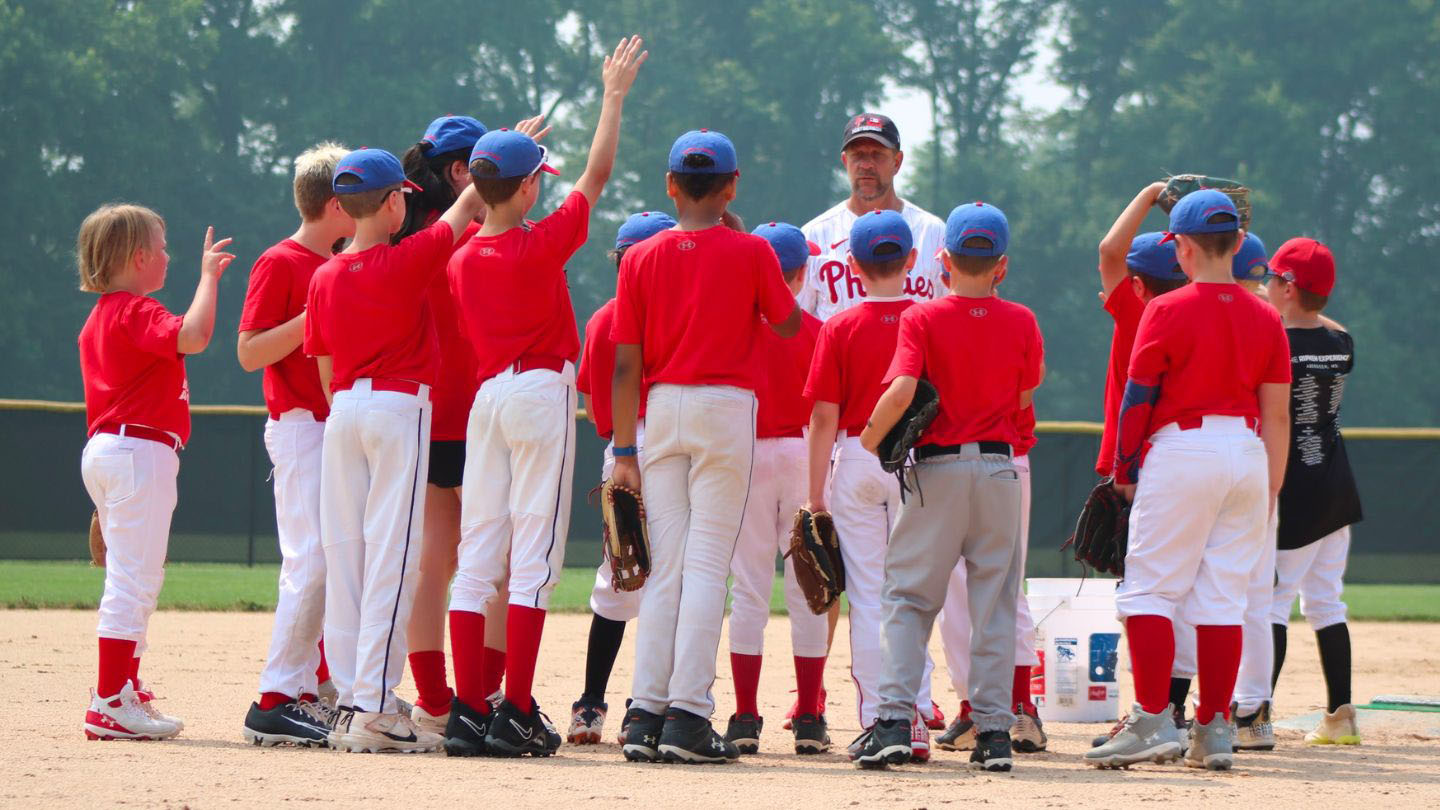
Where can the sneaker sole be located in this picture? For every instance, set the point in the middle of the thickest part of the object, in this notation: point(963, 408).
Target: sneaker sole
point(676, 754)
point(456, 747)
point(583, 738)
point(1347, 740)
point(747, 745)
point(997, 765)
point(1160, 755)
point(1255, 746)
point(640, 753)
point(891, 755)
point(1030, 746)
point(263, 740)
point(958, 745)
point(97, 733)
point(1212, 762)
point(500, 748)
point(807, 747)
point(371, 747)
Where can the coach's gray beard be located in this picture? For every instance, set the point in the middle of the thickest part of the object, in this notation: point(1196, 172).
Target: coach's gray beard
point(881, 189)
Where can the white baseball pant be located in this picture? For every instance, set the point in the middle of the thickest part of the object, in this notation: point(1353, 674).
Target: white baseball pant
point(372, 518)
point(1257, 652)
point(696, 478)
point(865, 501)
point(777, 491)
point(294, 443)
point(605, 601)
point(515, 500)
point(1317, 572)
point(132, 483)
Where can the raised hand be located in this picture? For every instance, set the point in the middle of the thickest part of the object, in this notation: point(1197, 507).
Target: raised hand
point(622, 65)
point(534, 127)
point(214, 260)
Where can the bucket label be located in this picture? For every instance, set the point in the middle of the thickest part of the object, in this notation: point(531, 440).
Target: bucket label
point(1097, 692)
point(1104, 655)
point(1067, 671)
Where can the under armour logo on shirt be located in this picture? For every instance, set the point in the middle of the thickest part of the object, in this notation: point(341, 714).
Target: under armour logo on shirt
point(889, 318)
point(686, 245)
point(487, 251)
point(979, 312)
point(1225, 298)
point(355, 266)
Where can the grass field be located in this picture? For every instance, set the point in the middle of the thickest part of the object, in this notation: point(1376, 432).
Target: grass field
point(211, 586)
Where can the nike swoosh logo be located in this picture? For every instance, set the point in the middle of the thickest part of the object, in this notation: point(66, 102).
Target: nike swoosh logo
point(293, 721)
point(841, 242)
point(524, 732)
point(479, 732)
point(397, 738)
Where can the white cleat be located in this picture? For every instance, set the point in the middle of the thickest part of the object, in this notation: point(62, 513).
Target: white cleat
point(123, 717)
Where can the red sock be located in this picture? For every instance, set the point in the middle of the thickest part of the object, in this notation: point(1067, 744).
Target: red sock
point(809, 683)
point(1152, 654)
point(523, 626)
point(494, 670)
point(965, 709)
point(135, 672)
point(269, 700)
point(746, 671)
point(1217, 652)
point(308, 697)
point(428, 668)
point(467, 645)
point(322, 672)
point(116, 657)
point(1020, 690)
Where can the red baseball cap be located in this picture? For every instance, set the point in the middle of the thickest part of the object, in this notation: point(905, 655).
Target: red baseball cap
point(1306, 263)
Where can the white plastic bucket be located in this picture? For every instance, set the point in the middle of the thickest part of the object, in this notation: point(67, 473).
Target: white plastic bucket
point(1078, 640)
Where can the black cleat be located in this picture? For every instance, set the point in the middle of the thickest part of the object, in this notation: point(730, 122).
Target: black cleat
point(287, 724)
point(513, 733)
point(744, 731)
point(812, 735)
point(886, 743)
point(465, 730)
point(689, 738)
point(642, 732)
point(992, 751)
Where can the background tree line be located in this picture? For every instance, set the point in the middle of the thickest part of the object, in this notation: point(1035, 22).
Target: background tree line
point(1329, 109)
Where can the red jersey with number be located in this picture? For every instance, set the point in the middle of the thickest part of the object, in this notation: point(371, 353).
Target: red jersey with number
point(133, 371)
point(784, 364)
point(370, 311)
point(693, 302)
point(1209, 347)
point(979, 353)
point(455, 384)
point(852, 353)
point(279, 284)
point(597, 370)
point(513, 294)
point(1125, 308)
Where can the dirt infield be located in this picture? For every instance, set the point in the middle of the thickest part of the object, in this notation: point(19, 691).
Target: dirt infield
point(206, 665)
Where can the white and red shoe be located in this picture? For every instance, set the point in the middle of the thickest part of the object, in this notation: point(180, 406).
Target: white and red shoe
point(919, 739)
point(123, 717)
point(935, 721)
point(147, 702)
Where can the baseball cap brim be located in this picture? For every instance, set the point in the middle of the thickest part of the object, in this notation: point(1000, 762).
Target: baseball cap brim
point(413, 186)
point(869, 135)
point(545, 166)
point(812, 247)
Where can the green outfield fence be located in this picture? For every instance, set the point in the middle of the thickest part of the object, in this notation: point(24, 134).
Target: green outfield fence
point(226, 511)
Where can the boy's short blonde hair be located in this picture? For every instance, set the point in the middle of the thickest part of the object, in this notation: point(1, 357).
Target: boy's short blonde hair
point(314, 172)
point(108, 240)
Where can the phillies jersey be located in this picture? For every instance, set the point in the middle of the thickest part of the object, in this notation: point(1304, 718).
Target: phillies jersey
point(831, 287)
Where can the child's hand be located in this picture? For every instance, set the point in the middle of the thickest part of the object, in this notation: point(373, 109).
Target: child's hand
point(534, 127)
point(621, 66)
point(1154, 190)
point(214, 260)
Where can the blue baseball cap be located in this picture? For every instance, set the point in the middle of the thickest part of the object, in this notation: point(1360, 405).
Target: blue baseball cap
point(514, 153)
point(878, 228)
point(791, 246)
point(1152, 255)
point(977, 219)
point(639, 227)
point(374, 168)
point(1251, 263)
point(1192, 213)
point(712, 144)
point(451, 133)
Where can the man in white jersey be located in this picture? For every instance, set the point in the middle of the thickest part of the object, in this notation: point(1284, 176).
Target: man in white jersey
point(870, 151)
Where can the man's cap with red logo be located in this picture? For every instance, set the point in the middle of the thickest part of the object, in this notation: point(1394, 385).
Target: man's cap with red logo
point(876, 127)
point(1307, 264)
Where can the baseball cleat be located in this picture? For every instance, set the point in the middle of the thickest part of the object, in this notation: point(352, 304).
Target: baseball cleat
point(992, 752)
point(382, 733)
point(812, 734)
point(960, 736)
point(1028, 734)
point(121, 717)
point(885, 743)
point(1182, 728)
point(465, 730)
point(328, 694)
point(689, 738)
point(1253, 732)
point(919, 739)
point(789, 723)
point(1142, 737)
point(744, 731)
point(1336, 728)
point(147, 702)
point(587, 722)
point(935, 720)
point(514, 733)
point(624, 723)
point(286, 724)
point(1212, 745)
point(425, 721)
point(642, 735)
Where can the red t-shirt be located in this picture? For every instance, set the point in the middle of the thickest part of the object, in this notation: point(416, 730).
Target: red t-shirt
point(783, 364)
point(979, 353)
point(455, 384)
point(1209, 347)
point(133, 372)
point(1025, 426)
point(852, 352)
point(279, 284)
point(693, 302)
point(512, 291)
point(597, 370)
point(369, 311)
point(1126, 310)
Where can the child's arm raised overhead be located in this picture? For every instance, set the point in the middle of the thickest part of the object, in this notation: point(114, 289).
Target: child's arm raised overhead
point(199, 323)
point(1116, 244)
point(619, 73)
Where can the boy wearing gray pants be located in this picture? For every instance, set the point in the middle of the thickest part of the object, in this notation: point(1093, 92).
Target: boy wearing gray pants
point(985, 358)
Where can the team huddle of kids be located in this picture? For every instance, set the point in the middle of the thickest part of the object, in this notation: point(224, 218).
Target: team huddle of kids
point(422, 372)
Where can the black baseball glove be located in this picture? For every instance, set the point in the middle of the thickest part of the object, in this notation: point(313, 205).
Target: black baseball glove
point(895, 448)
point(1102, 532)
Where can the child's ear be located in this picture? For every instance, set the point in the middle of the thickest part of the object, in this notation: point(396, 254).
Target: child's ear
point(731, 188)
point(1138, 287)
point(672, 189)
point(910, 262)
point(1001, 268)
point(854, 265)
point(945, 261)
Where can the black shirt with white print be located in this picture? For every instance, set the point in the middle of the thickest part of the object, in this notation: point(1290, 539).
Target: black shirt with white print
point(1319, 496)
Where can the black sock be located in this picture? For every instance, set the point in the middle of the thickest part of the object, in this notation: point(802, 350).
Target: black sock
point(1277, 631)
point(1179, 691)
point(1334, 644)
point(605, 637)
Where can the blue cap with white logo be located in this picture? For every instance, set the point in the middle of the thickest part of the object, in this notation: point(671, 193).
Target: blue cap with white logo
point(791, 246)
point(973, 220)
point(1151, 255)
point(878, 228)
point(515, 154)
point(1251, 262)
point(1192, 214)
point(708, 143)
point(451, 133)
point(374, 169)
point(639, 227)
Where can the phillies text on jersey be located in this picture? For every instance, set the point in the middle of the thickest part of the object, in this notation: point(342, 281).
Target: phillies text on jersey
point(832, 287)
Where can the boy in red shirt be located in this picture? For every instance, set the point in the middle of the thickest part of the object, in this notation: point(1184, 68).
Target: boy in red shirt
point(137, 412)
point(610, 608)
point(967, 491)
point(688, 313)
point(369, 326)
point(272, 326)
point(777, 491)
point(1210, 366)
point(513, 295)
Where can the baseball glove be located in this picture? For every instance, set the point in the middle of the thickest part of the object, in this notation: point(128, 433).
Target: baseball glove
point(1102, 532)
point(97, 541)
point(1179, 185)
point(895, 448)
point(627, 539)
point(815, 555)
